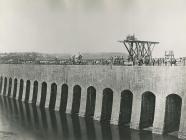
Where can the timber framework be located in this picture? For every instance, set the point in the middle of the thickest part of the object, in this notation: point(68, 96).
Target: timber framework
point(140, 52)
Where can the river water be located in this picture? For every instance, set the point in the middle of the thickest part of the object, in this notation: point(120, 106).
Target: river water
point(21, 121)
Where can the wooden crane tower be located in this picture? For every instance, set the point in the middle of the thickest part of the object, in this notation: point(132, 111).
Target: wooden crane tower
point(140, 52)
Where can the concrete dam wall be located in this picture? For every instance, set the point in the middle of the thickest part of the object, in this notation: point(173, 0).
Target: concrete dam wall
point(139, 97)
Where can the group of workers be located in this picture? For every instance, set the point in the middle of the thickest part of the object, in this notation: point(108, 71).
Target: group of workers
point(120, 60)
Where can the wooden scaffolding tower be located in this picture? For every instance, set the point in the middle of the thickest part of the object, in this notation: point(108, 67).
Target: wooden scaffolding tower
point(140, 52)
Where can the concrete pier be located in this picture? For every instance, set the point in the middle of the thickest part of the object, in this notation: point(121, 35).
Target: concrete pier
point(156, 100)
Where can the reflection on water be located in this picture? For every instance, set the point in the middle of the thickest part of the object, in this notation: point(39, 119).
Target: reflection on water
point(21, 121)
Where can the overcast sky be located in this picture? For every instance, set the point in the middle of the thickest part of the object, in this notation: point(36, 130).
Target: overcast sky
point(73, 26)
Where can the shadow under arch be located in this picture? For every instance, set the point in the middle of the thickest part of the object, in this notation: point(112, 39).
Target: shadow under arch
point(5, 86)
point(15, 88)
point(76, 99)
point(9, 87)
point(43, 94)
point(106, 105)
point(1, 84)
point(147, 110)
point(90, 128)
point(64, 124)
point(27, 94)
point(106, 132)
point(35, 92)
point(91, 100)
point(53, 94)
point(172, 113)
point(125, 107)
point(64, 98)
point(21, 89)
point(76, 127)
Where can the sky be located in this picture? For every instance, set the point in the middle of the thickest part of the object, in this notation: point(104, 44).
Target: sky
point(76, 26)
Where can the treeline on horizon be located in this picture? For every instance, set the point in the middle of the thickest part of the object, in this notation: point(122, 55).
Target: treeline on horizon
point(44, 56)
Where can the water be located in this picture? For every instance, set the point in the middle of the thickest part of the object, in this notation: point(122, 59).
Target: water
point(20, 121)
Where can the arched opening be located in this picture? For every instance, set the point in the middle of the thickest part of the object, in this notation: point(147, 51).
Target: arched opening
point(35, 91)
point(1, 84)
point(147, 110)
point(125, 107)
point(21, 89)
point(15, 88)
point(5, 86)
point(172, 113)
point(53, 96)
point(76, 99)
point(43, 94)
point(27, 94)
point(64, 97)
point(10, 86)
point(91, 99)
point(106, 105)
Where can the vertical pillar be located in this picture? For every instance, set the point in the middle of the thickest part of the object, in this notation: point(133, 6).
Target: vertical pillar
point(70, 127)
point(159, 114)
point(25, 114)
point(32, 117)
point(70, 98)
point(83, 128)
point(7, 87)
point(7, 107)
point(182, 129)
point(48, 95)
point(115, 109)
point(31, 91)
point(83, 102)
point(59, 124)
point(115, 132)
point(39, 93)
point(58, 97)
point(136, 111)
point(18, 87)
point(98, 130)
point(98, 106)
point(48, 121)
point(1, 92)
point(24, 90)
point(12, 89)
point(40, 118)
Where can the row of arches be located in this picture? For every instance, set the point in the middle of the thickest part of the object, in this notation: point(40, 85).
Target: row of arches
point(148, 101)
